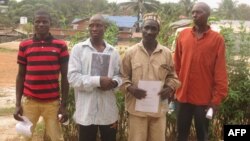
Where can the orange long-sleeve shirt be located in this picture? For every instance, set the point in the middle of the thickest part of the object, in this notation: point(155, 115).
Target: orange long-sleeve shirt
point(201, 67)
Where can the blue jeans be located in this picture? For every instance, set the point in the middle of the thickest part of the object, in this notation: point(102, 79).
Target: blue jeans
point(185, 114)
point(88, 133)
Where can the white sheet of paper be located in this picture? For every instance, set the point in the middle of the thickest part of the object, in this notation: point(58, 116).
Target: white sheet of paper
point(151, 102)
point(24, 127)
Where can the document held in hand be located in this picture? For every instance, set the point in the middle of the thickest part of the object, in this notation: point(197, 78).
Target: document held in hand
point(100, 64)
point(24, 127)
point(151, 102)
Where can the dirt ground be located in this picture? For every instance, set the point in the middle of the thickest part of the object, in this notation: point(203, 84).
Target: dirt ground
point(8, 71)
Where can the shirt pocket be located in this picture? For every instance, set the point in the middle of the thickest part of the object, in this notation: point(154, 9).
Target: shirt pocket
point(164, 69)
point(137, 72)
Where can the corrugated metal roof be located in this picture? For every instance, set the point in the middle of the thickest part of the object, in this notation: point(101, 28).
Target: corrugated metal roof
point(120, 21)
point(76, 20)
point(123, 21)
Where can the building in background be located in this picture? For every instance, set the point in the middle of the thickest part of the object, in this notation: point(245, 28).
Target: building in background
point(125, 24)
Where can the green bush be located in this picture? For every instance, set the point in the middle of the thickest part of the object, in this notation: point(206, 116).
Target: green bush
point(70, 131)
point(122, 123)
point(111, 34)
point(235, 109)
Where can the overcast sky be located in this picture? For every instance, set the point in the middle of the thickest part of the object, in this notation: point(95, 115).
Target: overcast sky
point(211, 3)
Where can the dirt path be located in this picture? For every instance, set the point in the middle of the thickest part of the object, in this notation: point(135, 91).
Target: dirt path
point(8, 70)
point(7, 129)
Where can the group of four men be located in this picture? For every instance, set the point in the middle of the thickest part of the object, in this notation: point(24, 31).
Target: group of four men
point(197, 78)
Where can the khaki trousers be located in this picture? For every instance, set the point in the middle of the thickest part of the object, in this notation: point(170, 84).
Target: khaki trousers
point(33, 109)
point(146, 128)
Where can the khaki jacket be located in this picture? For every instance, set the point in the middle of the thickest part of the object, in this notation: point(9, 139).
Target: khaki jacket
point(138, 65)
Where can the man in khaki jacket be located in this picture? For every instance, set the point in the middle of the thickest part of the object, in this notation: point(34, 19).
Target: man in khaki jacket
point(148, 61)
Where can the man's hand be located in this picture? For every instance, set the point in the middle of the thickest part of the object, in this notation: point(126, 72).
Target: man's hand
point(137, 92)
point(18, 112)
point(63, 111)
point(107, 83)
point(166, 92)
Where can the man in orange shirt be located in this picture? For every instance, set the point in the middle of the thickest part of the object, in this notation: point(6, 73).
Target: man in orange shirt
point(201, 67)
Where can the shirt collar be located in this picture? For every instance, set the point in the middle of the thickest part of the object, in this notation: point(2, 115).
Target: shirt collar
point(209, 29)
point(47, 39)
point(88, 43)
point(157, 49)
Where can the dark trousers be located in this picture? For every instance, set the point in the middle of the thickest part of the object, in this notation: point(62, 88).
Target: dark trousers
point(185, 114)
point(88, 133)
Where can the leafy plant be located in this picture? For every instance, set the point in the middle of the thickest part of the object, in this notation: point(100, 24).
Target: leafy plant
point(122, 123)
point(111, 34)
point(71, 130)
point(235, 109)
point(79, 36)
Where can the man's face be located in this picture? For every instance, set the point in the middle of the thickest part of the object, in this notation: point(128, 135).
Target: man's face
point(96, 28)
point(41, 24)
point(199, 15)
point(150, 30)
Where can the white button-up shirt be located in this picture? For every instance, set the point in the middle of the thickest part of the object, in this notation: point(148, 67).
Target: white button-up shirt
point(93, 106)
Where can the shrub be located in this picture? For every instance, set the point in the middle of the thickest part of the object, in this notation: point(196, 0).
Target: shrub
point(235, 109)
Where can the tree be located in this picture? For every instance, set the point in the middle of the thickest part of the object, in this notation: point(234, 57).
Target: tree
point(169, 12)
point(113, 9)
point(140, 7)
point(62, 11)
point(227, 9)
point(187, 6)
point(27, 8)
point(243, 11)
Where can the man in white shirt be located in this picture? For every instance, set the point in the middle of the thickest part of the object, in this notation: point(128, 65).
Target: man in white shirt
point(94, 95)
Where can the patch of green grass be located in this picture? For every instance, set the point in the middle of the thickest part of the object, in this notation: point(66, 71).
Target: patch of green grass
point(40, 132)
point(6, 111)
point(40, 127)
point(6, 50)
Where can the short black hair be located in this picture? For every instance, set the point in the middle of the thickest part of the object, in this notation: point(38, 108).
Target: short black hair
point(42, 12)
